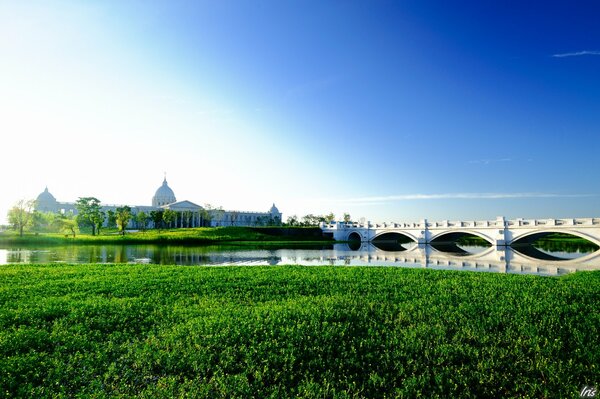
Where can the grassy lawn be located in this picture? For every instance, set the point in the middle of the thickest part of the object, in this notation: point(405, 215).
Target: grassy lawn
point(175, 331)
point(200, 235)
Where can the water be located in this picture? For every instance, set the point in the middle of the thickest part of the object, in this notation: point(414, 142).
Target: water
point(493, 259)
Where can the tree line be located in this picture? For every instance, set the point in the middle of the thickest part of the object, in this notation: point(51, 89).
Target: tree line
point(311, 220)
point(90, 215)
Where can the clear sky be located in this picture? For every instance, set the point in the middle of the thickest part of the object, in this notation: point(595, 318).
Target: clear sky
point(388, 110)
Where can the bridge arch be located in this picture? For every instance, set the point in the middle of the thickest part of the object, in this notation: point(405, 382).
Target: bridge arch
point(591, 257)
point(454, 235)
point(390, 235)
point(354, 236)
point(468, 255)
point(530, 236)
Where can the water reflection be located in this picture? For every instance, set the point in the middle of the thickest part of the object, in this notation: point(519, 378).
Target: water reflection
point(461, 257)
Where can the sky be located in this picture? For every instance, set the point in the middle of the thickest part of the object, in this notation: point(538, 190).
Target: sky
point(387, 110)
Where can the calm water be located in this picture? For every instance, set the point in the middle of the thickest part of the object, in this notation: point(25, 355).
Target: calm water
point(523, 260)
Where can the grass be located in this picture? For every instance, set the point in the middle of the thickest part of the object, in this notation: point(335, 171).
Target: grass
point(172, 331)
point(188, 236)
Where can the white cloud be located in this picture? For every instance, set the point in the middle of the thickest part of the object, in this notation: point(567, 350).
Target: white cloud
point(576, 54)
point(489, 161)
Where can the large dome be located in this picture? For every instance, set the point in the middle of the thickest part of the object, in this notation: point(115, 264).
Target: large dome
point(164, 195)
point(46, 202)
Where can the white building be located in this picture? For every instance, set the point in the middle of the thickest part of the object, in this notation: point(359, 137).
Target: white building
point(188, 213)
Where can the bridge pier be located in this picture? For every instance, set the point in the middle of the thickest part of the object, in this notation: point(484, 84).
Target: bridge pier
point(425, 234)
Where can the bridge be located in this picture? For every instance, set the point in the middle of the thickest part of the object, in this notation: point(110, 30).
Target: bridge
point(499, 232)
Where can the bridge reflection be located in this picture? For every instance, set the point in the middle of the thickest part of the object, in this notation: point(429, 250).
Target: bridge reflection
point(521, 259)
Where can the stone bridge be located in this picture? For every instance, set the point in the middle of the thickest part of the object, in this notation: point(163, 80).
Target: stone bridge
point(499, 232)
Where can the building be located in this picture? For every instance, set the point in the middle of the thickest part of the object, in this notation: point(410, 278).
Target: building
point(188, 214)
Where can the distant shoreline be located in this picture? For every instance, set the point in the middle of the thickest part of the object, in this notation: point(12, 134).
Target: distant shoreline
point(185, 236)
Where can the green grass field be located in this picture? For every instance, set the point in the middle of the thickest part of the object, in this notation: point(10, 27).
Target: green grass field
point(197, 236)
point(174, 331)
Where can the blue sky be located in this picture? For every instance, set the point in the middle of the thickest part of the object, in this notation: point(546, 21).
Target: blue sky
point(386, 110)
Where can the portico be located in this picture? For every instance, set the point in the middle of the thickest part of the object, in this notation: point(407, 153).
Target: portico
point(187, 213)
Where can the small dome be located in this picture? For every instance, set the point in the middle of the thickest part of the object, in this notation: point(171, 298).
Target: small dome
point(164, 195)
point(274, 210)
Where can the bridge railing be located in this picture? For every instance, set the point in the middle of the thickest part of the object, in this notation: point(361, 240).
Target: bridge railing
point(554, 222)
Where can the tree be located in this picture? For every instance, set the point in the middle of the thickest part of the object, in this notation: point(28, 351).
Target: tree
point(98, 220)
point(142, 219)
point(233, 216)
point(311, 220)
point(90, 212)
point(43, 221)
point(62, 223)
point(292, 221)
point(123, 217)
point(187, 217)
point(157, 218)
point(314, 220)
point(347, 218)
point(330, 217)
point(169, 216)
point(111, 219)
point(210, 214)
point(20, 215)
point(261, 221)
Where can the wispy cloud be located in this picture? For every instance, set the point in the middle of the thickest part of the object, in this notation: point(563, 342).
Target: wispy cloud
point(576, 54)
point(489, 161)
point(442, 196)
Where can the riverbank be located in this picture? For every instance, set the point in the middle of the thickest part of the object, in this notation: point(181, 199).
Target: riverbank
point(187, 236)
point(169, 331)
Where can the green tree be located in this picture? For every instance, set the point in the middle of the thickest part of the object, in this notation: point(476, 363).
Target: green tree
point(98, 220)
point(142, 219)
point(169, 216)
point(233, 217)
point(90, 212)
point(275, 221)
point(187, 217)
point(20, 215)
point(330, 217)
point(310, 220)
point(157, 218)
point(123, 214)
point(209, 213)
point(42, 221)
point(62, 223)
point(261, 221)
point(347, 218)
point(292, 221)
point(111, 219)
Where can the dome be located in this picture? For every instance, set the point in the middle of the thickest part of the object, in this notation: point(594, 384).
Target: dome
point(164, 195)
point(46, 202)
point(274, 210)
point(45, 196)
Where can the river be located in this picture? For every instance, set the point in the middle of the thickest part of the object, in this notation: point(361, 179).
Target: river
point(527, 260)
